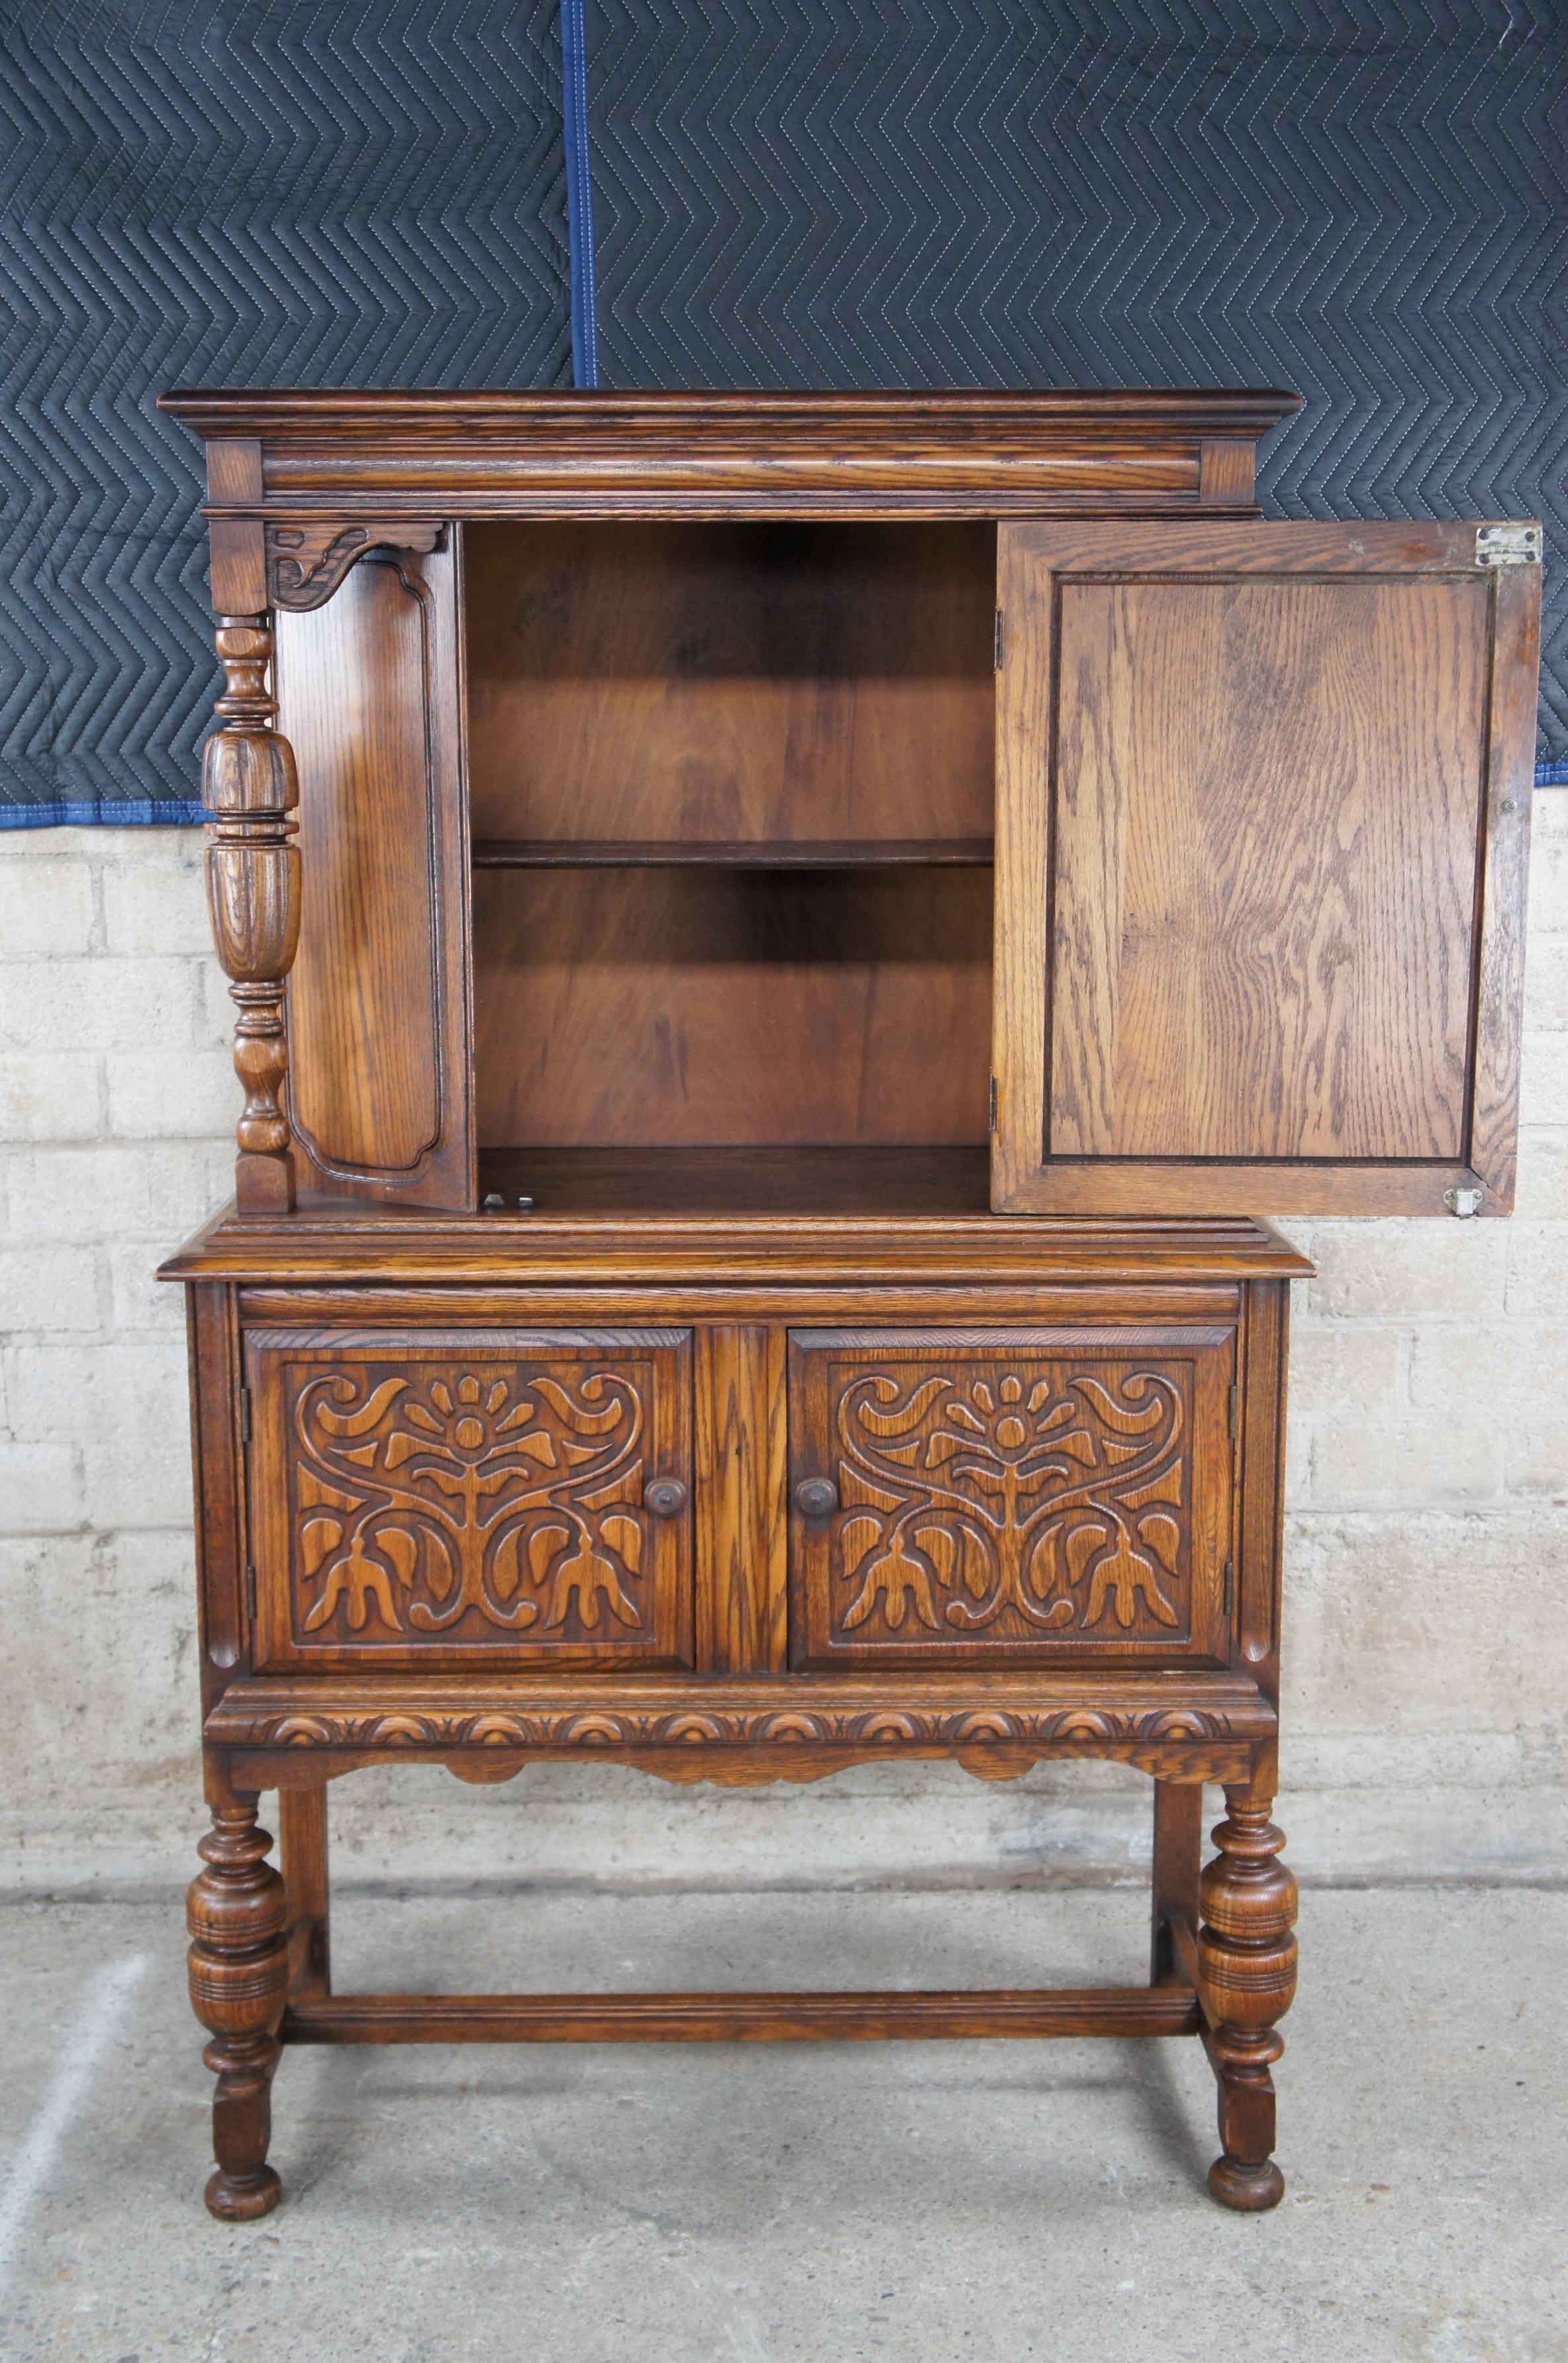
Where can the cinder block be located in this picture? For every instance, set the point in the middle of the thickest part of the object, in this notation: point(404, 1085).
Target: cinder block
point(1511, 1364)
point(74, 1005)
point(1546, 982)
point(1414, 1622)
point(1537, 1457)
point(1538, 1271)
point(1543, 1079)
point(41, 1487)
point(50, 1288)
point(1548, 867)
point(173, 1094)
point(1450, 1456)
point(89, 1193)
point(1543, 1191)
point(121, 1669)
point(46, 902)
point(157, 906)
point(123, 1386)
point(1347, 1369)
point(1393, 1271)
point(140, 1476)
point(50, 1095)
point(136, 1299)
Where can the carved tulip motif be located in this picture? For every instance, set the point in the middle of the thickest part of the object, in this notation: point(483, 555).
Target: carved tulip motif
point(436, 1495)
point(1012, 1499)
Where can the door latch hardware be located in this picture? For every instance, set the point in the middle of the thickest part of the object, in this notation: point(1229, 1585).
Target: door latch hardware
point(816, 1497)
point(1463, 1201)
point(666, 1497)
point(1508, 545)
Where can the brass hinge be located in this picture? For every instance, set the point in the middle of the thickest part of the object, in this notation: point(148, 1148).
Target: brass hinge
point(996, 641)
point(1229, 1586)
point(250, 1591)
point(992, 1117)
point(245, 1415)
point(1508, 545)
point(1233, 1409)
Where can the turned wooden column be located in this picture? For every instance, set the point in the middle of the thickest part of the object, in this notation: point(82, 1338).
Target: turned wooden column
point(251, 791)
point(235, 1911)
point(1247, 1981)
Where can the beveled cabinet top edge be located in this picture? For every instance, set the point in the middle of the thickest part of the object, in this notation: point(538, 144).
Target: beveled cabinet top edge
point(403, 1245)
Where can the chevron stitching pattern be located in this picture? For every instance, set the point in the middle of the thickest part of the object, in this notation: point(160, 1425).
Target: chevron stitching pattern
point(1361, 199)
point(325, 193)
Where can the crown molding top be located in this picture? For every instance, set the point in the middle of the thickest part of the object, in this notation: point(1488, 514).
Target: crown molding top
point(298, 453)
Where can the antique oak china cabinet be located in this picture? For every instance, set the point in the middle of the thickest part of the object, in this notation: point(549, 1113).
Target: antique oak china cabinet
point(781, 945)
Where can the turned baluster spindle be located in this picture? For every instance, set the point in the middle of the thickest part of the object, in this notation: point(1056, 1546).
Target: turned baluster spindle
point(236, 1913)
point(1246, 1978)
point(251, 791)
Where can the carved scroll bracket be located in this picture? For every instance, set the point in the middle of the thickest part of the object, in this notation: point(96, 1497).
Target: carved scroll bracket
point(306, 562)
point(250, 789)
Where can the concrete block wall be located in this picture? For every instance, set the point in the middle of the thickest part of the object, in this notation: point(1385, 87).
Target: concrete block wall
point(1427, 1550)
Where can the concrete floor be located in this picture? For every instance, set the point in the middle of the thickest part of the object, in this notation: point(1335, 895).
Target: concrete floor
point(919, 2203)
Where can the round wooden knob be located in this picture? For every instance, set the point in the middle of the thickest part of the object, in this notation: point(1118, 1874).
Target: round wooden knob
point(666, 1497)
point(816, 1496)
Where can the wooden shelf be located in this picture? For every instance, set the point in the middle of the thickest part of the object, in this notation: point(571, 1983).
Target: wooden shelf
point(889, 1181)
point(850, 853)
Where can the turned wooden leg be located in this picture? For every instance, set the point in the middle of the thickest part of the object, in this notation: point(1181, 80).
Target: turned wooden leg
point(240, 1974)
point(1246, 1981)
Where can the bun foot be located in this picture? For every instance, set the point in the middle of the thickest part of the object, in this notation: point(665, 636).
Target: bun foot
point(240, 2198)
point(1250, 2190)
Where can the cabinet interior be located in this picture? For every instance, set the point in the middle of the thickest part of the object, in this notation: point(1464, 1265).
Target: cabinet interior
point(731, 799)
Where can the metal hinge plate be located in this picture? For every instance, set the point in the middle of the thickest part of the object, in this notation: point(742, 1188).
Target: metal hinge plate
point(245, 1415)
point(1233, 1409)
point(1508, 545)
point(997, 641)
point(991, 1116)
point(250, 1591)
point(1229, 1586)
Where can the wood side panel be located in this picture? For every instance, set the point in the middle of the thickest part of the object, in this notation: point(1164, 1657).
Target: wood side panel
point(1510, 779)
point(1265, 819)
point(378, 1006)
point(729, 683)
point(682, 1009)
point(740, 1457)
point(1261, 770)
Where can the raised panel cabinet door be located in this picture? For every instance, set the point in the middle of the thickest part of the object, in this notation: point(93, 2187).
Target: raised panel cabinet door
point(1262, 804)
point(378, 1007)
point(1015, 1496)
point(461, 1497)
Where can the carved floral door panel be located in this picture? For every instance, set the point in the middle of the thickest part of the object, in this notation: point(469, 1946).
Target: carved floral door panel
point(428, 1498)
point(1011, 1495)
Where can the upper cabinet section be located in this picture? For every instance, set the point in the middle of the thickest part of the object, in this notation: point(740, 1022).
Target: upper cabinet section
point(377, 457)
point(1262, 813)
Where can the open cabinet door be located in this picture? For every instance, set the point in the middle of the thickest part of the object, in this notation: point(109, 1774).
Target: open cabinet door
point(1263, 807)
point(369, 697)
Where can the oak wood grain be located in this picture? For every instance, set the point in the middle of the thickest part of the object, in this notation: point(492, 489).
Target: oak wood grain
point(740, 1465)
point(677, 1008)
point(378, 1004)
point(772, 683)
point(743, 2017)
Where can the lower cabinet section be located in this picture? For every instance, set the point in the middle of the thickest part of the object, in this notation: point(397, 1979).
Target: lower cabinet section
point(1026, 1495)
point(425, 1498)
point(434, 1497)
